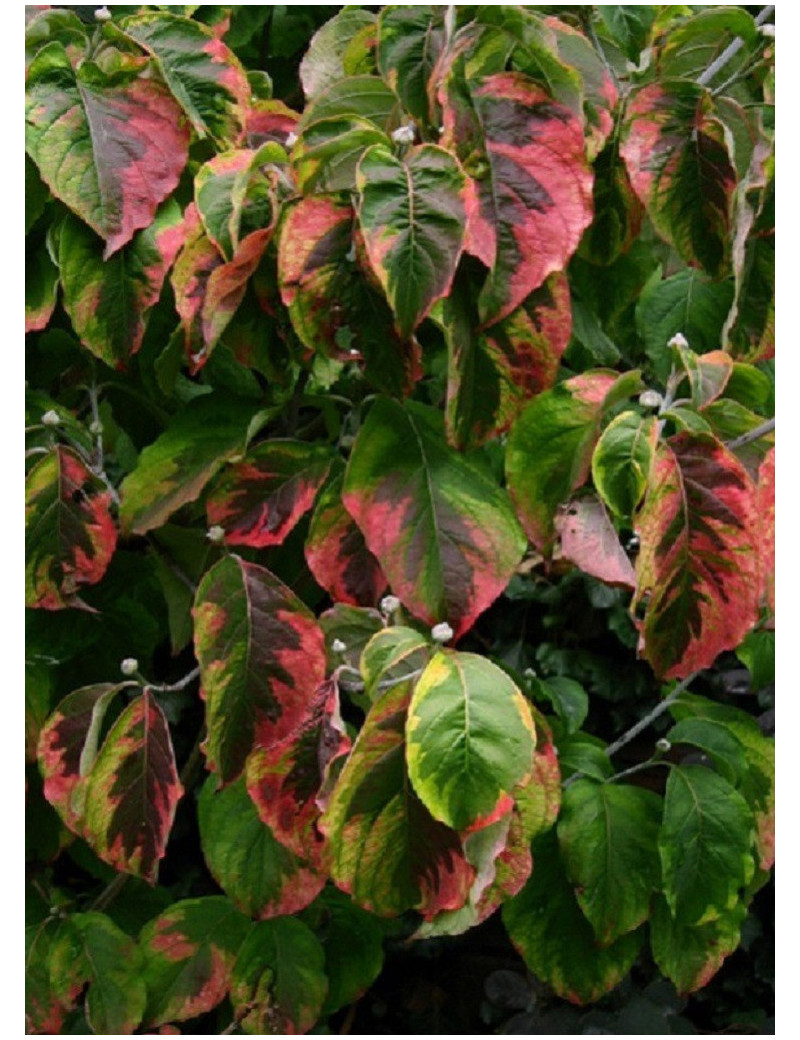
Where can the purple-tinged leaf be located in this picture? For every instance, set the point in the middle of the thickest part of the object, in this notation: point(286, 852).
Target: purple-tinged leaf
point(442, 529)
point(262, 660)
point(337, 555)
point(388, 852)
point(765, 506)
point(202, 72)
point(132, 791)
point(691, 955)
point(70, 535)
point(697, 571)
point(678, 159)
point(532, 185)
point(278, 984)
point(289, 780)
point(412, 215)
point(41, 288)
point(91, 949)
point(257, 873)
point(590, 541)
point(189, 953)
point(108, 300)
point(115, 188)
point(260, 499)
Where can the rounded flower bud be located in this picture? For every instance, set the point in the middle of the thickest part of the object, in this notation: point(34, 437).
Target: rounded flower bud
point(51, 418)
point(441, 633)
point(678, 340)
point(663, 745)
point(216, 534)
point(389, 604)
point(404, 134)
point(650, 399)
point(130, 666)
point(102, 14)
point(96, 428)
point(291, 140)
point(338, 646)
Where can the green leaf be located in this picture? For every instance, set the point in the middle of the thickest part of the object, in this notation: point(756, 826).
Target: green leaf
point(89, 948)
point(392, 653)
point(262, 659)
point(189, 953)
point(757, 654)
point(44, 1011)
point(569, 699)
point(278, 985)
point(117, 188)
point(173, 470)
point(364, 96)
point(233, 196)
point(258, 874)
point(328, 152)
point(323, 62)
point(201, 71)
point(410, 41)
point(470, 738)
point(691, 955)
point(689, 49)
point(442, 529)
point(622, 459)
point(412, 216)
point(722, 747)
point(707, 374)
point(584, 754)
point(706, 844)
point(617, 210)
point(41, 288)
point(108, 300)
point(608, 835)
point(628, 25)
point(556, 941)
point(70, 536)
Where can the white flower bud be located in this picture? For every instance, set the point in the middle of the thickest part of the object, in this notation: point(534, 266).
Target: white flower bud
point(130, 666)
point(291, 140)
point(529, 673)
point(650, 399)
point(102, 14)
point(389, 604)
point(678, 340)
point(404, 134)
point(51, 418)
point(338, 646)
point(663, 745)
point(216, 534)
point(96, 428)
point(767, 30)
point(441, 633)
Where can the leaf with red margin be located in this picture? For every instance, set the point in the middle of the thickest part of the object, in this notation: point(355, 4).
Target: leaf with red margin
point(108, 300)
point(590, 541)
point(262, 659)
point(492, 373)
point(195, 264)
point(412, 215)
point(332, 302)
point(90, 948)
point(44, 1011)
point(132, 791)
point(270, 120)
point(697, 571)
point(550, 446)
point(556, 941)
point(260, 499)
point(70, 535)
point(530, 202)
point(691, 955)
point(202, 73)
point(257, 873)
point(116, 188)
point(707, 374)
point(765, 506)
point(290, 780)
point(337, 555)
point(278, 984)
point(189, 952)
point(41, 288)
point(68, 747)
point(442, 529)
point(388, 852)
point(679, 163)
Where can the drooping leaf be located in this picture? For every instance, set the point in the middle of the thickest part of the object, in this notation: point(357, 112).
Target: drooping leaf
point(621, 461)
point(132, 791)
point(590, 541)
point(108, 300)
point(175, 468)
point(607, 834)
point(412, 215)
point(290, 780)
point(470, 738)
point(260, 498)
point(41, 288)
point(493, 373)
point(532, 185)
point(757, 654)
point(628, 25)
point(70, 535)
point(691, 955)
point(337, 555)
point(617, 211)
point(189, 953)
point(234, 197)
point(707, 374)
point(262, 658)
point(365, 96)
point(706, 844)
point(442, 530)
point(678, 160)
point(556, 941)
point(257, 873)
point(115, 188)
point(91, 949)
point(715, 739)
point(51, 24)
point(391, 654)
point(278, 984)
point(327, 155)
point(568, 697)
point(388, 852)
point(201, 71)
point(323, 62)
point(765, 505)
point(551, 444)
point(44, 1011)
point(697, 568)
point(410, 40)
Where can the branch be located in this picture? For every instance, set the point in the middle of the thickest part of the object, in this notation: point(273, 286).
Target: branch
point(751, 435)
point(659, 709)
point(181, 684)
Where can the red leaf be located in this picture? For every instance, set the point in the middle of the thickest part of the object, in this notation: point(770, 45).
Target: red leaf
point(589, 540)
point(270, 120)
point(765, 505)
point(193, 268)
